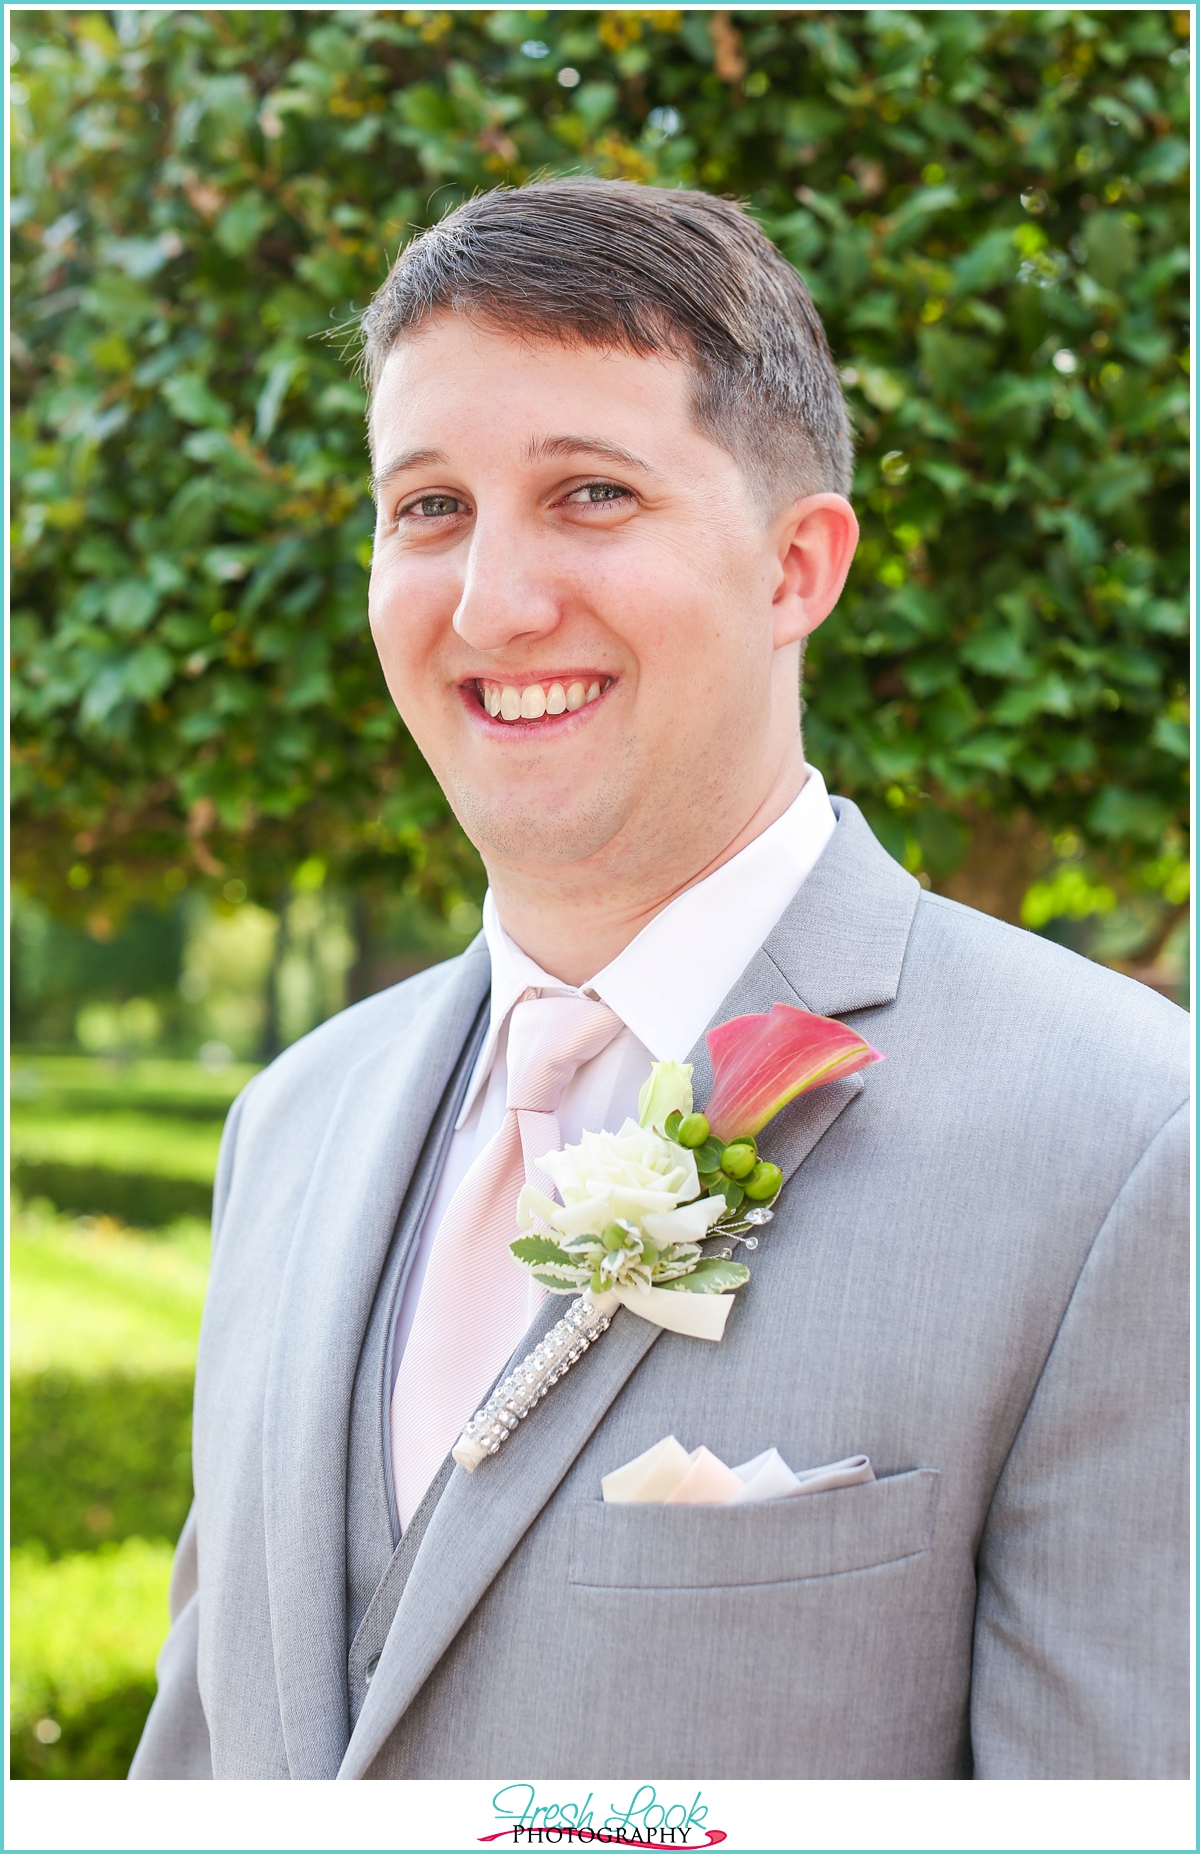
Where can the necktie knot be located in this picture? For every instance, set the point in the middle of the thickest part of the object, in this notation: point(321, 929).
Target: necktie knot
point(548, 1039)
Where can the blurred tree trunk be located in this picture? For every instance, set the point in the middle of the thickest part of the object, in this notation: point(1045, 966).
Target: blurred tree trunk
point(362, 980)
point(272, 1034)
point(1005, 856)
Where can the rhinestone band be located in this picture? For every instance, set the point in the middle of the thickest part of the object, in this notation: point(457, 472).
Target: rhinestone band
point(512, 1400)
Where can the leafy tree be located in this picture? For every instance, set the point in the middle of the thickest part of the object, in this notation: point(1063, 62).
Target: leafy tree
point(991, 210)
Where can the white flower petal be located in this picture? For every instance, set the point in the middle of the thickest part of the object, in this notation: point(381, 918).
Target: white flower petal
point(666, 1090)
point(589, 1217)
point(690, 1223)
point(533, 1206)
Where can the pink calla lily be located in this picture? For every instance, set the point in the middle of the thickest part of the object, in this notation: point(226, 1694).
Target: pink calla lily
point(762, 1063)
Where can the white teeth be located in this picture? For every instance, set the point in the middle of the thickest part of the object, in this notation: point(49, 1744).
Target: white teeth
point(508, 703)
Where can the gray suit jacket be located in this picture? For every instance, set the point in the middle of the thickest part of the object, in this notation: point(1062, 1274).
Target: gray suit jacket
point(977, 1275)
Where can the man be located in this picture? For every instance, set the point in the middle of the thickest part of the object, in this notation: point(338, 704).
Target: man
point(612, 464)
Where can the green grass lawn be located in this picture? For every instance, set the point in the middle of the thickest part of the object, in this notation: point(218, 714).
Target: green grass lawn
point(137, 1142)
point(118, 1142)
point(89, 1297)
point(153, 1083)
point(82, 1623)
point(84, 1634)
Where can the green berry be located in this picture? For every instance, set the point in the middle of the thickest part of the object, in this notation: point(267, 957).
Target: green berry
point(597, 1282)
point(693, 1130)
point(739, 1160)
point(614, 1237)
point(763, 1183)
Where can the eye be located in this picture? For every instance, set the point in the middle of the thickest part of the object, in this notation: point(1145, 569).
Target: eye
point(430, 507)
point(592, 493)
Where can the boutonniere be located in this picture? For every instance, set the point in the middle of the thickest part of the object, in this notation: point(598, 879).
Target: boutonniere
point(638, 1205)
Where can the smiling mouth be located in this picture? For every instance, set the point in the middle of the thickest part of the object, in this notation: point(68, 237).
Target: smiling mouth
point(537, 701)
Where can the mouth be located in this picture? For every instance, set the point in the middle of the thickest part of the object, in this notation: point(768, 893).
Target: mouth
point(537, 703)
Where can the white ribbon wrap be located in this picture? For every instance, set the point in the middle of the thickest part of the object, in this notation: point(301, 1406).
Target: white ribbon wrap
point(696, 1316)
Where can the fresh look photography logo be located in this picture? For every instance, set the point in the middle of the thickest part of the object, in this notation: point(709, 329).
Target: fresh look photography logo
point(647, 1820)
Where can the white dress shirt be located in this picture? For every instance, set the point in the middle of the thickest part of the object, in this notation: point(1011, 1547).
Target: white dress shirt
point(665, 987)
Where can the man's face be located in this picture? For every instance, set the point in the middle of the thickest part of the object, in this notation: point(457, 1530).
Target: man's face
point(571, 595)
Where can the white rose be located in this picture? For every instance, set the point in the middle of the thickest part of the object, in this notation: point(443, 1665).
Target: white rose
point(634, 1176)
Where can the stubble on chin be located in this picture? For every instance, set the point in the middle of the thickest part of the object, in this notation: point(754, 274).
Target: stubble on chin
point(527, 832)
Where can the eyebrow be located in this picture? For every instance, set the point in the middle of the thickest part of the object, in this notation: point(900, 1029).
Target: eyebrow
point(539, 448)
point(406, 460)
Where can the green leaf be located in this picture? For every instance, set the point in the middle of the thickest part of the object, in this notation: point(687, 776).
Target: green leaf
point(560, 1280)
point(192, 399)
point(535, 1249)
point(240, 225)
point(713, 1275)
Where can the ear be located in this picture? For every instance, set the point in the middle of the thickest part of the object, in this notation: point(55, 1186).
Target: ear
point(816, 538)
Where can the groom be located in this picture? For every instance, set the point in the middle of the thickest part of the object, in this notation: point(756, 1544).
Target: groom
point(611, 467)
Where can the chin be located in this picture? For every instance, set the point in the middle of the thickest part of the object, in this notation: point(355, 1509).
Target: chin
point(531, 829)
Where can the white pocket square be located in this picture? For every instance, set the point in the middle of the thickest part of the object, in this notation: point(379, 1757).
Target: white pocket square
point(668, 1475)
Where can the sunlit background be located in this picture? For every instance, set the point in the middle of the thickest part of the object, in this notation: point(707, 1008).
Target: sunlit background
point(221, 831)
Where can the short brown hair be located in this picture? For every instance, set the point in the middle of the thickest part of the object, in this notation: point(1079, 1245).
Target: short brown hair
point(606, 263)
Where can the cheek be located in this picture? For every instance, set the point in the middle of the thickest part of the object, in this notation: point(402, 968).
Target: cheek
point(410, 604)
point(679, 616)
point(655, 597)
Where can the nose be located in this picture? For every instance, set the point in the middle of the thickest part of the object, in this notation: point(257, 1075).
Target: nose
point(505, 596)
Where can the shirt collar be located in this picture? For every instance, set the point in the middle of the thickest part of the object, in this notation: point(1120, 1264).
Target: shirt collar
point(667, 983)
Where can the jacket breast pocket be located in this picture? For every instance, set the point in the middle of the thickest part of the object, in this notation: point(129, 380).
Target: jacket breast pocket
point(781, 1541)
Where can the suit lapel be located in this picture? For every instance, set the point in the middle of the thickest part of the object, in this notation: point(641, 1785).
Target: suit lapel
point(367, 1158)
point(822, 957)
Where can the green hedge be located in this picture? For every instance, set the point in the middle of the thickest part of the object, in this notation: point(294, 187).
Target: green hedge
point(99, 1458)
point(140, 1198)
point(101, 1482)
point(991, 208)
point(138, 1144)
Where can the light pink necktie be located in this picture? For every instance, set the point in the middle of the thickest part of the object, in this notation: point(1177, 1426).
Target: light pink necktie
point(476, 1300)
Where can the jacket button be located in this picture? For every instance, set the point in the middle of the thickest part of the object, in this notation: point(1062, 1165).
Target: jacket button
point(369, 1669)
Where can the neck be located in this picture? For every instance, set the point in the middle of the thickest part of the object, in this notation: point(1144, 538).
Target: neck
point(574, 919)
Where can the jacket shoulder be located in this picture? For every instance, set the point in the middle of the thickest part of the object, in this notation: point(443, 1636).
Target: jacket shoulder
point(1080, 1015)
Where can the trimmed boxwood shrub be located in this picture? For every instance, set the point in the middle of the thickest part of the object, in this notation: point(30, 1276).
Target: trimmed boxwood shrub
point(140, 1198)
point(94, 1459)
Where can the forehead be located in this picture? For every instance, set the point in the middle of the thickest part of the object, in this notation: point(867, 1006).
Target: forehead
point(458, 372)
